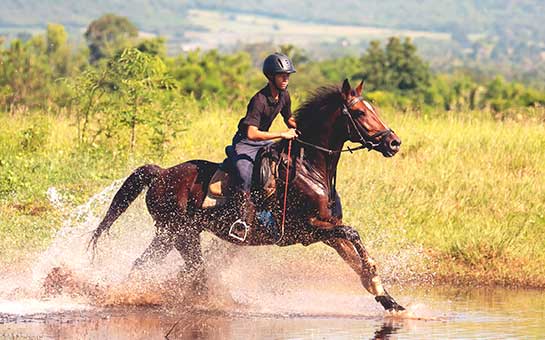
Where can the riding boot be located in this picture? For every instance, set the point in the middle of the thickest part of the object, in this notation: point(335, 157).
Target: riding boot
point(247, 208)
point(240, 228)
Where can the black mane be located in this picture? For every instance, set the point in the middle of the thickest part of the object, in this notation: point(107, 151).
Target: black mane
point(315, 110)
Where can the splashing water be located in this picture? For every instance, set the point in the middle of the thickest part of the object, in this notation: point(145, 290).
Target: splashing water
point(269, 280)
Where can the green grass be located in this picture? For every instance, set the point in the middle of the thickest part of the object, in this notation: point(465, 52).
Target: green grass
point(466, 188)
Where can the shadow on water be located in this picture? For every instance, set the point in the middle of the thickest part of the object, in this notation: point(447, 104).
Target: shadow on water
point(154, 323)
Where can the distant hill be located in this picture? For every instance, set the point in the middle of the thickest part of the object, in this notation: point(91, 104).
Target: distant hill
point(522, 18)
point(149, 15)
point(471, 16)
point(496, 33)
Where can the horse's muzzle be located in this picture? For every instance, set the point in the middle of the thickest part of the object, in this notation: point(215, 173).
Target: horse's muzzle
point(390, 146)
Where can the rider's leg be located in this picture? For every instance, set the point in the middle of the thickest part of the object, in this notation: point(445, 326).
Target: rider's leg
point(246, 152)
point(246, 209)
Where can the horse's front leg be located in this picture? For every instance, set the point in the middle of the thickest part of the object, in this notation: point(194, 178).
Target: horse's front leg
point(346, 241)
point(324, 218)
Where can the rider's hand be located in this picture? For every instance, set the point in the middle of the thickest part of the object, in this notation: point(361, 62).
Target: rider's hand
point(290, 134)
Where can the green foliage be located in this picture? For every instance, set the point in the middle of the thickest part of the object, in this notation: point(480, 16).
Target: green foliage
point(211, 73)
point(154, 47)
point(24, 73)
point(35, 136)
point(58, 50)
point(120, 95)
point(29, 71)
point(297, 55)
point(397, 67)
point(107, 35)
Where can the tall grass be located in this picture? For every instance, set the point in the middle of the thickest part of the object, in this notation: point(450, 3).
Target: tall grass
point(465, 187)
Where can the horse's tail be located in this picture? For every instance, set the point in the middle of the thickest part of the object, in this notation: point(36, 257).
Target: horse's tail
point(131, 188)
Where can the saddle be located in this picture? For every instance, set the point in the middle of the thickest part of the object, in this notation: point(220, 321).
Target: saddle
point(264, 177)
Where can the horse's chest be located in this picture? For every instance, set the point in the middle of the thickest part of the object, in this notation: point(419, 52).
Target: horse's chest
point(311, 182)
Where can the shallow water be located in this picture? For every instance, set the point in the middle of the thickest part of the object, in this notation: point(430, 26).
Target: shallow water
point(255, 293)
point(437, 313)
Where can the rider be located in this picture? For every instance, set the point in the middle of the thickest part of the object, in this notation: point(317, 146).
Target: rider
point(253, 131)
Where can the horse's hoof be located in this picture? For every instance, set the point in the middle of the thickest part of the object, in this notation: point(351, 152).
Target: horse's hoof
point(389, 303)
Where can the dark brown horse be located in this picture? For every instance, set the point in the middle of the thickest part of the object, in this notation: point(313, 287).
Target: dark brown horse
point(326, 121)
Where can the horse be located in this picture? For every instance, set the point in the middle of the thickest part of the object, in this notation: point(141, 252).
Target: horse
point(330, 117)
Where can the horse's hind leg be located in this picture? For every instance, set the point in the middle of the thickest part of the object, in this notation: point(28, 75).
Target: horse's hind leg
point(160, 246)
point(351, 249)
point(193, 275)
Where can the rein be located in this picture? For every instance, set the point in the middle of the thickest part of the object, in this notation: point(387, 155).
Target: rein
point(285, 193)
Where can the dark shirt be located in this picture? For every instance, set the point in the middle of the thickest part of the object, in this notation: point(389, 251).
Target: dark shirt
point(263, 109)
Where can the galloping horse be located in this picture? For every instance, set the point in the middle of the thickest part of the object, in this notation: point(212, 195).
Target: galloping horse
point(175, 196)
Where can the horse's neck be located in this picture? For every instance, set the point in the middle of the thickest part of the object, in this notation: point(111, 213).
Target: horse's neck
point(320, 161)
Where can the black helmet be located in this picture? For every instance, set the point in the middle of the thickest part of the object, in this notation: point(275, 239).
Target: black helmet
point(277, 63)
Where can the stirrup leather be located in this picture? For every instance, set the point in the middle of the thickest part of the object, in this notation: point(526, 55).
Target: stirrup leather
point(235, 224)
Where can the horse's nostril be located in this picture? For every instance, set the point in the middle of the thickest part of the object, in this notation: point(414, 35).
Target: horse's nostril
point(394, 144)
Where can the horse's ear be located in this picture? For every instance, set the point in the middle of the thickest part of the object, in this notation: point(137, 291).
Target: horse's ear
point(346, 88)
point(360, 88)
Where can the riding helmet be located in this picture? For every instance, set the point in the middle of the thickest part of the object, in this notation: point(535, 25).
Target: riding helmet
point(277, 63)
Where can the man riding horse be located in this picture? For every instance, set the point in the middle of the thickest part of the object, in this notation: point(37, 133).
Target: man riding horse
point(177, 196)
point(253, 133)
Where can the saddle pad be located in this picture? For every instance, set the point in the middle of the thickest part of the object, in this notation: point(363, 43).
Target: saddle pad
point(217, 190)
point(219, 184)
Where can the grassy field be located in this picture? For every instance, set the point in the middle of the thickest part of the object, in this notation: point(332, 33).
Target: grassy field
point(465, 188)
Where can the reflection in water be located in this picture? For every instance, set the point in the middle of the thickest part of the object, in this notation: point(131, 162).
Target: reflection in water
point(155, 324)
point(496, 313)
point(385, 331)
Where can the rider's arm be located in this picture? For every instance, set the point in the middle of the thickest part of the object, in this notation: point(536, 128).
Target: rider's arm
point(286, 113)
point(255, 134)
point(291, 123)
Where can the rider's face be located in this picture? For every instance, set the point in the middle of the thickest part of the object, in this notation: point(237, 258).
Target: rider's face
point(281, 80)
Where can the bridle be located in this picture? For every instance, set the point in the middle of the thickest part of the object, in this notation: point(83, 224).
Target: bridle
point(367, 141)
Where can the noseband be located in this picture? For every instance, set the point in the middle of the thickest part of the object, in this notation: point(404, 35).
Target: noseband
point(367, 141)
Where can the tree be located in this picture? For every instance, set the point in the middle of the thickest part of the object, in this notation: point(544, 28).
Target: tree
point(297, 55)
point(212, 73)
point(154, 47)
point(119, 95)
point(374, 64)
point(107, 35)
point(57, 49)
point(397, 67)
point(24, 73)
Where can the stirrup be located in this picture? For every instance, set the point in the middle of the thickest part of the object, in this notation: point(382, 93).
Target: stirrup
point(234, 225)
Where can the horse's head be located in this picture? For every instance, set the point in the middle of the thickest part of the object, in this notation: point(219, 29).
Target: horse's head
point(364, 124)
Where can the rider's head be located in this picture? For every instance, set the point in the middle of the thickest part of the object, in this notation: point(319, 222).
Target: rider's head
point(277, 67)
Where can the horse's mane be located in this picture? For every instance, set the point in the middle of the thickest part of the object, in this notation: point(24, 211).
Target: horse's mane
point(322, 102)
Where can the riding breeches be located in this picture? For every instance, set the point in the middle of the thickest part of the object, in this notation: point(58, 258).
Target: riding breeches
point(244, 158)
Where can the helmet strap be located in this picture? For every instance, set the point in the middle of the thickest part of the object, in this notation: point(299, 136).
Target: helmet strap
point(273, 82)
